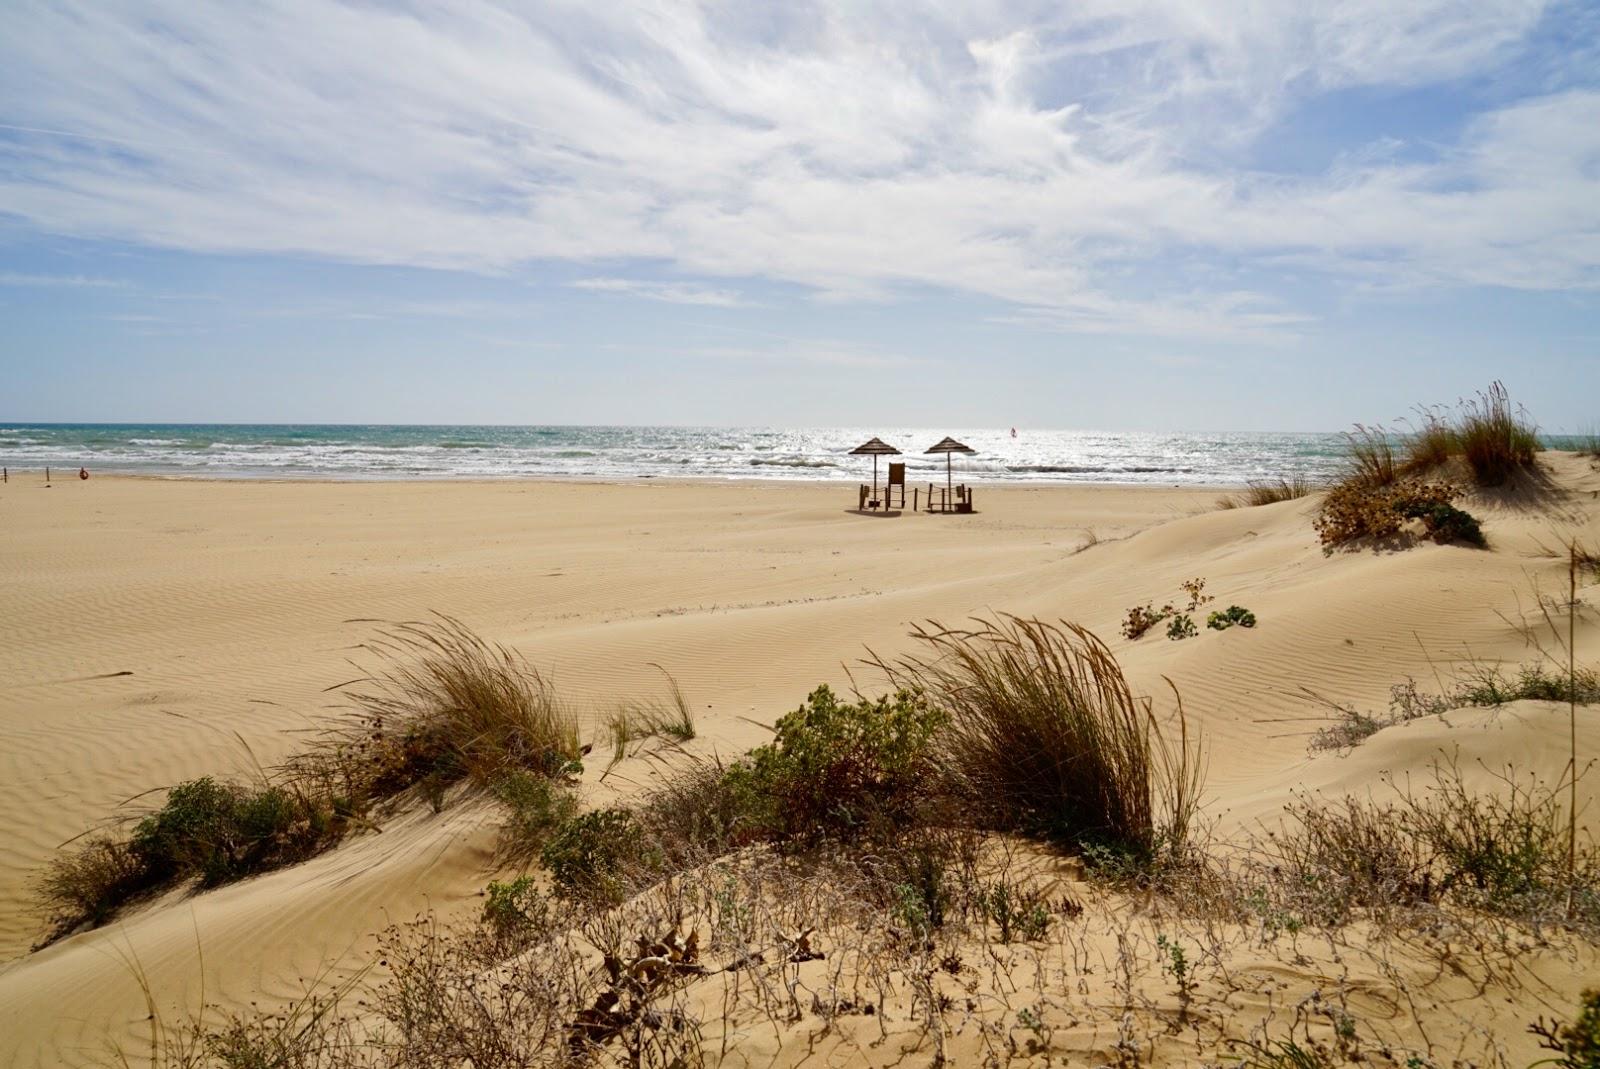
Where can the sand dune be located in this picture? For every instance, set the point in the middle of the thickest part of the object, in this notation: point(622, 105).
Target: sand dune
point(159, 630)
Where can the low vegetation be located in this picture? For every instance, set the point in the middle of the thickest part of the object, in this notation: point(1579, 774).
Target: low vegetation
point(633, 721)
point(1180, 623)
point(1484, 442)
point(1357, 512)
point(1046, 736)
point(1267, 492)
point(1232, 616)
point(887, 869)
point(1493, 439)
point(1502, 851)
point(1483, 685)
point(447, 707)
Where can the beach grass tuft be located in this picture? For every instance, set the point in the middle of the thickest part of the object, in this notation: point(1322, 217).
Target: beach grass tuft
point(1431, 443)
point(449, 705)
point(1267, 492)
point(446, 707)
point(1496, 440)
point(1046, 736)
point(632, 721)
point(1369, 457)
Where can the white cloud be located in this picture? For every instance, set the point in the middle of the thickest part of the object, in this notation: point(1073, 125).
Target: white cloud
point(670, 292)
point(1024, 152)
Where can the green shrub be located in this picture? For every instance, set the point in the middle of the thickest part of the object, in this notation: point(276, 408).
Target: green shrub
point(1019, 911)
point(219, 832)
point(1578, 1043)
point(835, 767)
point(536, 807)
point(516, 908)
point(590, 856)
point(1181, 626)
point(705, 809)
point(1233, 614)
point(1444, 522)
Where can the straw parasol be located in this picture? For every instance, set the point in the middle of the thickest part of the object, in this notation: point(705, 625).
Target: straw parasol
point(947, 447)
point(876, 447)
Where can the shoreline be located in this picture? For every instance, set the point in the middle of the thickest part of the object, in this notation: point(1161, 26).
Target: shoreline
point(600, 480)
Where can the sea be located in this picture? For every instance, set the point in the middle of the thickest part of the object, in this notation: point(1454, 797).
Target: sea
point(256, 451)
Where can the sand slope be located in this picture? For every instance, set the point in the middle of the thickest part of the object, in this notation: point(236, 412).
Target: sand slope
point(159, 630)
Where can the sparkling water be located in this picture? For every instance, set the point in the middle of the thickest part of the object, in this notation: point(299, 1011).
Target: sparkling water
point(621, 453)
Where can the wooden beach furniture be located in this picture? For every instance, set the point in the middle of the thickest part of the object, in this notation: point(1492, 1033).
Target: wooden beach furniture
point(875, 448)
point(897, 478)
point(950, 497)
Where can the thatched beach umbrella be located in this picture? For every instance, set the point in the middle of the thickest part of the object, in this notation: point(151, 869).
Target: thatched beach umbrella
point(877, 447)
point(947, 447)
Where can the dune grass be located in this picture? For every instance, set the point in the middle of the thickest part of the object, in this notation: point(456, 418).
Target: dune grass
point(1431, 443)
point(445, 706)
point(633, 721)
point(1046, 736)
point(1369, 457)
point(1267, 492)
point(1495, 440)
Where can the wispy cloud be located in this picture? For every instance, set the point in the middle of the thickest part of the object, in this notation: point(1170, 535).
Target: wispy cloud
point(670, 292)
point(1028, 153)
point(11, 278)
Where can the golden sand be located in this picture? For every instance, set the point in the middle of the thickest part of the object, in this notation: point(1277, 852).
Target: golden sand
point(157, 630)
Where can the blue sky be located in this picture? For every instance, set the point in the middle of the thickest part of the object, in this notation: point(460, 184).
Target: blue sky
point(1121, 214)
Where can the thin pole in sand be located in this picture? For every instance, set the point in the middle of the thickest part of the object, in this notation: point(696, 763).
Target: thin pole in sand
point(1572, 708)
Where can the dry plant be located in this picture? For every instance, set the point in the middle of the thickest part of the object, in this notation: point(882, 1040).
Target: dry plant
point(1431, 443)
point(1502, 852)
point(1369, 457)
point(1268, 492)
point(447, 705)
point(1046, 735)
point(1495, 440)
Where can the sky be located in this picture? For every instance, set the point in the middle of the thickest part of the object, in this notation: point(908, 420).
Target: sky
point(1108, 214)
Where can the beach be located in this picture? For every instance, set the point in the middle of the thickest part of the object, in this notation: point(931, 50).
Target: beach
point(158, 630)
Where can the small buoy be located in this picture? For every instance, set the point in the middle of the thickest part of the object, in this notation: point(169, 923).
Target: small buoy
point(83, 473)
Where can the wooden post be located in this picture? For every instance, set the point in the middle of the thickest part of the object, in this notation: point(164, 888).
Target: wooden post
point(1572, 708)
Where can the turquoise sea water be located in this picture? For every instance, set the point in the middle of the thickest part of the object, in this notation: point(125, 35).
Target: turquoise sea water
point(620, 453)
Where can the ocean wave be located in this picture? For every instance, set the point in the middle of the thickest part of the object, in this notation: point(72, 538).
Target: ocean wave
point(1094, 469)
point(790, 462)
point(443, 452)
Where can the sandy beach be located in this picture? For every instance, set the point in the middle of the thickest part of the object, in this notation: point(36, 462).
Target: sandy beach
point(159, 630)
